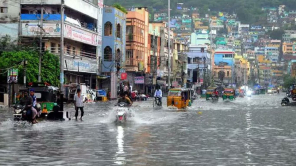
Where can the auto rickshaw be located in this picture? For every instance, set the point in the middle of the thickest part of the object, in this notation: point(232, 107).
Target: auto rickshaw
point(46, 96)
point(229, 94)
point(178, 97)
point(209, 92)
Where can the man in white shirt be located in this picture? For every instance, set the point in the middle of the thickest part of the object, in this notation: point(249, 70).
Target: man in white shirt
point(158, 94)
point(78, 103)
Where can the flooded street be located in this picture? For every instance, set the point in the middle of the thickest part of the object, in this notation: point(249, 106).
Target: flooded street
point(247, 131)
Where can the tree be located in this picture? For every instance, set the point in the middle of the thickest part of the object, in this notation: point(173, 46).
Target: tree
point(276, 34)
point(13, 59)
point(288, 80)
point(119, 7)
point(221, 75)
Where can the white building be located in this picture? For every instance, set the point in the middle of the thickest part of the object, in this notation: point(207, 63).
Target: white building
point(82, 32)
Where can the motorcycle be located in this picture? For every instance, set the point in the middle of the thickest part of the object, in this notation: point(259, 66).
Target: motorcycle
point(285, 101)
point(215, 98)
point(121, 112)
point(21, 113)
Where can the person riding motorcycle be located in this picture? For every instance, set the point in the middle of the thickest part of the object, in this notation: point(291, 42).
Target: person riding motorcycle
point(158, 94)
point(216, 93)
point(124, 99)
point(27, 101)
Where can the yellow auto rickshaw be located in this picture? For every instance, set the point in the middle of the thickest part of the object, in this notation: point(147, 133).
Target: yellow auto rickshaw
point(209, 92)
point(229, 94)
point(178, 97)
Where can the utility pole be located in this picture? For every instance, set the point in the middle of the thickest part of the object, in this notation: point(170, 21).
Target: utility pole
point(169, 44)
point(62, 55)
point(154, 61)
point(40, 43)
point(62, 47)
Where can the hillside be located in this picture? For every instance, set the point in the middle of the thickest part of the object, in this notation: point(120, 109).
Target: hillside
point(248, 11)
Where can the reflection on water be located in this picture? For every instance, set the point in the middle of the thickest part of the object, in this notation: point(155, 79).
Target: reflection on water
point(120, 143)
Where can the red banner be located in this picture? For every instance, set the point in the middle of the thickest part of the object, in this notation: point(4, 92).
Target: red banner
point(123, 76)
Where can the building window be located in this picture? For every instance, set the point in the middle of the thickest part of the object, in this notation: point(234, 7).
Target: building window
point(59, 48)
point(202, 49)
point(74, 50)
point(3, 9)
point(227, 56)
point(107, 54)
point(227, 73)
point(118, 31)
point(108, 29)
point(69, 50)
point(195, 60)
point(129, 57)
point(53, 47)
point(118, 55)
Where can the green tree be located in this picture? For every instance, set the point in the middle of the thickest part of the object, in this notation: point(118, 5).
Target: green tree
point(14, 59)
point(276, 34)
point(288, 80)
point(119, 7)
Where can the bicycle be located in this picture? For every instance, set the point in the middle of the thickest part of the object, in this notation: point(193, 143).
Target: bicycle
point(157, 102)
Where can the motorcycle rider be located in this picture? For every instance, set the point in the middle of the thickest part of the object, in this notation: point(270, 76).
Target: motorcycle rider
point(124, 99)
point(158, 94)
point(216, 93)
point(28, 102)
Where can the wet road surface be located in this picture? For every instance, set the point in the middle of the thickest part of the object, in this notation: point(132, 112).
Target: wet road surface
point(247, 131)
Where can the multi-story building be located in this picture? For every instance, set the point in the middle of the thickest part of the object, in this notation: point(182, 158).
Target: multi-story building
point(289, 48)
point(272, 53)
point(198, 58)
point(137, 52)
point(288, 35)
point(41, 19)
point(114, 39)
point(241, 70)
point(9, 11)
point(179, 64)
point(224, 63)
point(162, 69)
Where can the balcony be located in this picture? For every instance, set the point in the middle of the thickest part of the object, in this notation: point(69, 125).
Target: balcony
point(131, 62)
point(83, 6)
point(73, 53)
point(57, 17)
point(53, 30)
point(196, 54)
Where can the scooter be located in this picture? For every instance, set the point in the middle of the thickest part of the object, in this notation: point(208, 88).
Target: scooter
point(121, 112)
point(285, 101)
point(21, 113)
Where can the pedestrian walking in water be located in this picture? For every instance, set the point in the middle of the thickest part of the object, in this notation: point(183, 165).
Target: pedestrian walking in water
point(79, 104)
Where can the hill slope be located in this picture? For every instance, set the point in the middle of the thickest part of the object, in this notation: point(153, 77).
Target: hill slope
point(248, 11)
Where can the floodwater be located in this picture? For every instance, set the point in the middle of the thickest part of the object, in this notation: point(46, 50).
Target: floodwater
point(247, 131)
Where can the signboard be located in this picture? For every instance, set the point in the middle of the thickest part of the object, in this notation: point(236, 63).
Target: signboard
point(175, 84)
point(141, 66)
point(78, 65)
point(49, 29)
point(201, 81)
point(123, 76)
point(12, 76)
point(80, 35)
point(101, 3)
point(139, 80)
